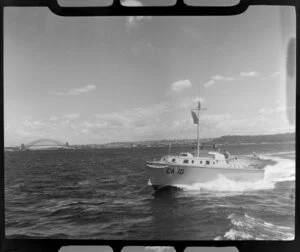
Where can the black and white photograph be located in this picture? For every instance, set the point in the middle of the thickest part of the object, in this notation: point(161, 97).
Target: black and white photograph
point(149, 127)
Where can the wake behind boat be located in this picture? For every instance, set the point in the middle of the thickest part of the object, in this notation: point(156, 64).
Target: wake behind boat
point(187, 168)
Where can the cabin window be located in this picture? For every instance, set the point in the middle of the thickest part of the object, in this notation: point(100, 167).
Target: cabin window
point(207, 162)
point(173, 160)
point(201, 162)
point(192, 161)
point(213, 162)
point(184, 155)
point(185, 161)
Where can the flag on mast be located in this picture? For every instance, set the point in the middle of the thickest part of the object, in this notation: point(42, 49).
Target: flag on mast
point(195, 118)
point(199, 105)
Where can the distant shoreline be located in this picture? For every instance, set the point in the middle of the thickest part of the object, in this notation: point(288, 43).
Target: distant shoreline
point(228, 140)
point(88, 147)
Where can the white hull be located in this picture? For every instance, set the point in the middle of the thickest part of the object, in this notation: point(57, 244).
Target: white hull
point(173, 175)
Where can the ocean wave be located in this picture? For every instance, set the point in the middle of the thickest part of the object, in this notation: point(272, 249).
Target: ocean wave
point(17, 185)
point(245, 227)
point(75, 185)
point(84, 183)
point(282, 170)
point(66, 207)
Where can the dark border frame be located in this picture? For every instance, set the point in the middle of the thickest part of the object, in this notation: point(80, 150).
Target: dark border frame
point(116, 9)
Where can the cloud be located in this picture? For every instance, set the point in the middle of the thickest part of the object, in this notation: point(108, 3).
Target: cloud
point(285, 128)
point(65, 122)
point(71, 116)
point(209, 83)
point(28, 130)
point(249, 74)
point(53, 118)
point(160, 121)
point(214, 79)
point(85, 131)
point(219, 78)
point(75, 91)
point(214, 125)
point(222, 78)
point(271, 76)
point(180, 85)
point(137, 123)
point(88, 124)
point(275, 74)
point(278, 109)
point(35, 125)
point(134, 20)
point(209, 125)
point(211, 122)
point(85, 89)
point(278, 101)
point(135, 117)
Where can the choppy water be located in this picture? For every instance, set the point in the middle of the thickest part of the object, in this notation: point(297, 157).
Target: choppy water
point(104, 194)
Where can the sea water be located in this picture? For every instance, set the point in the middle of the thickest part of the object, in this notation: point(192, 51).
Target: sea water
point(105, 194)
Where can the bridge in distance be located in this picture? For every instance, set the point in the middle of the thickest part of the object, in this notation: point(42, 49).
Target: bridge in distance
point(45, 143)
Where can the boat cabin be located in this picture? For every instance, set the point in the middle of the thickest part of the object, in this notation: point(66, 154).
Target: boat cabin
point(205, 159)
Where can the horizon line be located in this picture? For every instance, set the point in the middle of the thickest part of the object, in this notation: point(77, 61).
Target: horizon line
point(155, 140)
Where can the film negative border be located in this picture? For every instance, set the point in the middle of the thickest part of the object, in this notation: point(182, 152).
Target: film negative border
point(116, 9)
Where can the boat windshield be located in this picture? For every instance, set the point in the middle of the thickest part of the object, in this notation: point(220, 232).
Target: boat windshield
point(185, 154)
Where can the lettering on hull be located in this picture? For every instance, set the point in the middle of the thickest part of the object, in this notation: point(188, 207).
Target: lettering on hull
point(173, 171)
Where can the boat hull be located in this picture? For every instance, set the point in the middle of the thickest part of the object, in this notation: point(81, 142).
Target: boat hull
point(171, 175)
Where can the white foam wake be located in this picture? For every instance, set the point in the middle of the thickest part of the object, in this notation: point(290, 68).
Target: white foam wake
point(278, 153)
point(245, 227)
point(283, 170)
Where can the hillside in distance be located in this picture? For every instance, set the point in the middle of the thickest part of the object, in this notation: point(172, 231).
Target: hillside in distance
point(237, 139)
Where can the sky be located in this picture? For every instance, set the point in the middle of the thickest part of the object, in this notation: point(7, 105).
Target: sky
point(93, 80)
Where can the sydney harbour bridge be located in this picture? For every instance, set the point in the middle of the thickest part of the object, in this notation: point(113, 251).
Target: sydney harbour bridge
point(45, 143)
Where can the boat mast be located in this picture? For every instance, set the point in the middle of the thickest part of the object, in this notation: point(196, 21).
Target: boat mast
point(198, 141)
point(196, 121)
